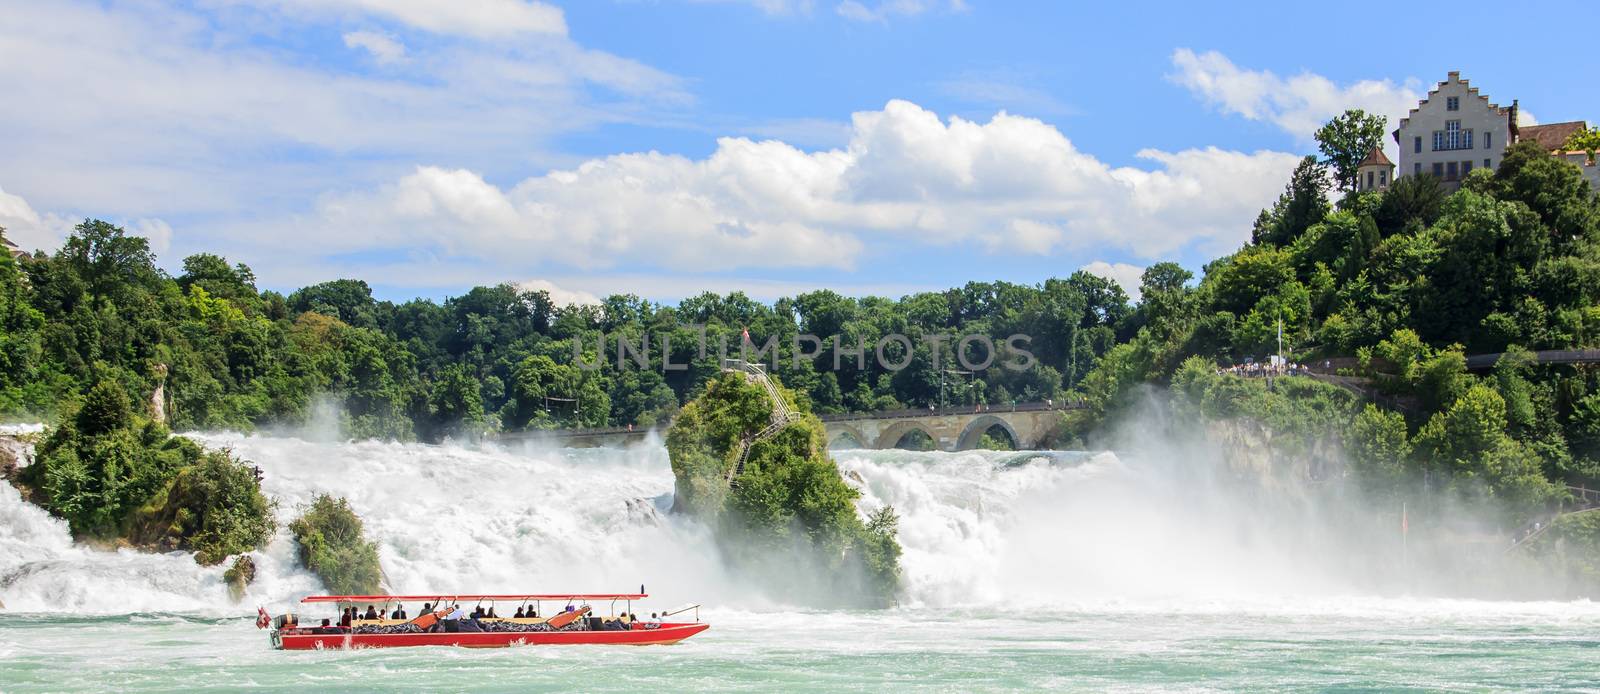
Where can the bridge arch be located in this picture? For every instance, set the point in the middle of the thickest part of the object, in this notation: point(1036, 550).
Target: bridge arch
point(841, 435)
point(979, 426)
point(891, 436)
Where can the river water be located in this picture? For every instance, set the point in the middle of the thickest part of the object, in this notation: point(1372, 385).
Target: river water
point(1021, 571)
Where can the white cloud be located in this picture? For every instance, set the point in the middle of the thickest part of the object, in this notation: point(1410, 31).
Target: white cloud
point(1024, 236)
point(1129, 277)
point(1298, 104)
point(384, 48)
point(483, 19)
point(559, 295)
point(157, 232)
point(33, 231)
point(1524, 118)
point(28, 229)
point(196, 106)
point(1010, 185)
point(885, 9)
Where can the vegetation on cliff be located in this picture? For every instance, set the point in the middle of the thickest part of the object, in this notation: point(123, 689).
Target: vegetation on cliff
point(116, 476)
point(332, 544)
point(1408, 282)
point(789, 519)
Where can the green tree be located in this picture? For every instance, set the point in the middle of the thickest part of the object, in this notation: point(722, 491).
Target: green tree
point(1379, 448)
point(1586, 141)
point(1412, 203)
point(1347, 140)
point(332, 544)
point(1304, 202)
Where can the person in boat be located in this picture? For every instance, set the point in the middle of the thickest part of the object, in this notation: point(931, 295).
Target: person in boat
point(491, 614)
point(372, 613)
point(426, 608)
point(399, 613)
point(344, 616)
point(520, 614)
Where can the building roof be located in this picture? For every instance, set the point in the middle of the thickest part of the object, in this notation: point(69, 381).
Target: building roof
point(1551, 136)
point(12, 249)
point(1454, 76)
point(1376, 158)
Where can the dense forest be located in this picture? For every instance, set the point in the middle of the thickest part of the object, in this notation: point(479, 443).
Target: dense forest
point(1407, 281)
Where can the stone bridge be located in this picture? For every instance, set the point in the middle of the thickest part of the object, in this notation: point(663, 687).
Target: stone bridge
point(1028, 425)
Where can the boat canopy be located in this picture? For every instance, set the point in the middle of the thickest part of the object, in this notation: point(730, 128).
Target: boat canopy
point(465, 596)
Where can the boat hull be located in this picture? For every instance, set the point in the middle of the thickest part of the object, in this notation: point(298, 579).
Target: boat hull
point(665, 634)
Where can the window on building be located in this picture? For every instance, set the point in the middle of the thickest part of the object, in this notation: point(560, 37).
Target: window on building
point(1487, 165)
point(1487, 139)
point(1452, 103)
point(1452, 133)
point(1466, 168)
point(1438, 169)
point(1450, 171)
point(1383, 178)
point(1416, 168)
point(1369, 179)
point(1417, 145)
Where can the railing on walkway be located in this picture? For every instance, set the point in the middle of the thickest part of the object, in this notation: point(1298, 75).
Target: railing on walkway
point(1584, 499)
point(782, 416)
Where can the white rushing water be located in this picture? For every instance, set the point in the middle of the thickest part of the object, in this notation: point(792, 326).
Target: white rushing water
point(978, 528)
point(1021, 571)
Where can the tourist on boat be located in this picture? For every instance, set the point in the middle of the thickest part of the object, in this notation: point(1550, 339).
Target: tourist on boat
point(372, 613)
point(520, 614)
point(457, 613)
point(426, 608)
point(344, 616)
point(491, 614)
point(399, 612)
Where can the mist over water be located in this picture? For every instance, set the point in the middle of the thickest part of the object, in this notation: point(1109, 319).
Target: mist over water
point(978, 528)
point(1021, 570)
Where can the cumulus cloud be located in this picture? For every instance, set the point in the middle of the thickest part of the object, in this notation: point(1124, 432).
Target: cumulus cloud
point(906, 176)
point(384, 48)
point(28, 229)
point(1129, 277)
point(34, 231)
point(561, 296)
point(1299, 104)
point(157, 232)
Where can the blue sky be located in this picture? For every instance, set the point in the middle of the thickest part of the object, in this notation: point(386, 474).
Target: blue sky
point(669, 146)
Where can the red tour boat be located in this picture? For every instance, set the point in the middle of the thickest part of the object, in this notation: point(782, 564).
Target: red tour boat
point(473, 621)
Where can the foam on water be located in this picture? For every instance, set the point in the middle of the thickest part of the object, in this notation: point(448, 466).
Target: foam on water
point(1065, 531)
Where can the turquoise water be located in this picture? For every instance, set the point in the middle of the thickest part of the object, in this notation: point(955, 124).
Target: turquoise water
point(1353, 645)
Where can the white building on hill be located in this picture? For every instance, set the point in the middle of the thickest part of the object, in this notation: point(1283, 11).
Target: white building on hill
point(1455, 130)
